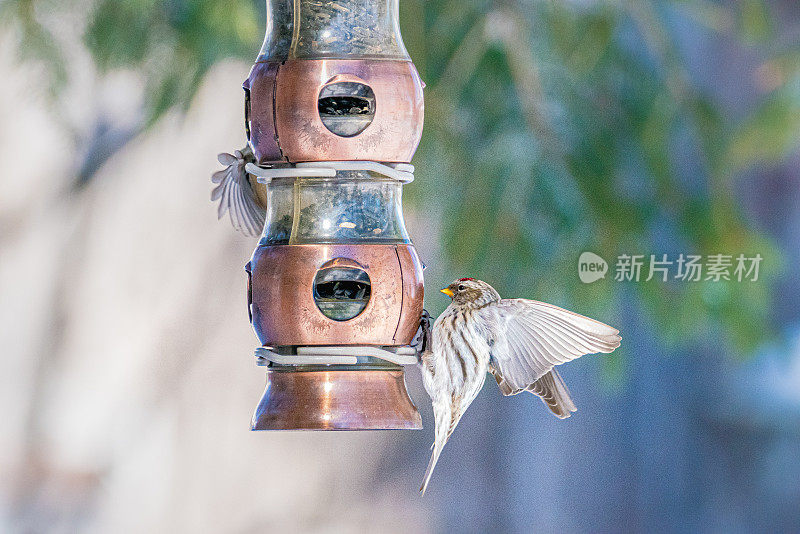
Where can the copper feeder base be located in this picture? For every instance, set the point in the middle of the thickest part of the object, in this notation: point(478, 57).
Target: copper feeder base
point(374, 399)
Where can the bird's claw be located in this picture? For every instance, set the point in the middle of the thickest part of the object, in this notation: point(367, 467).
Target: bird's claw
point(422, 339)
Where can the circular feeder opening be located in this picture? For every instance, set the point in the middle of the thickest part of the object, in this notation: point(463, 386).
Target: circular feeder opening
point(342, 289)
point(346, 108)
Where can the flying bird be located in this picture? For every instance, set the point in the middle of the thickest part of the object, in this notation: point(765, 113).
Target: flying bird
point(519, 341)
point(235, 193)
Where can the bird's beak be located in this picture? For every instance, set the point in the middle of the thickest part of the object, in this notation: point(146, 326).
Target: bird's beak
point(447, 292)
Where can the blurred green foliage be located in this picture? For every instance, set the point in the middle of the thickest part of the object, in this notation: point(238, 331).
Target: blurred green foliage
point(551, 128)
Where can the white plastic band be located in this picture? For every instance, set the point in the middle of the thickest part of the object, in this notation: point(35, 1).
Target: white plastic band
point(402, 172)
point(338, 355)
point(266, 175)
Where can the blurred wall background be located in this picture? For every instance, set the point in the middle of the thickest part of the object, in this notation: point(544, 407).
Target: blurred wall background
point(552, 128)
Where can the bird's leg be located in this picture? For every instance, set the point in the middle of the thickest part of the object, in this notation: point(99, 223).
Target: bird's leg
point(422, 339)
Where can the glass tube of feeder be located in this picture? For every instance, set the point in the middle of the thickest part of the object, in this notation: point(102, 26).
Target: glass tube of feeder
point(332, 29)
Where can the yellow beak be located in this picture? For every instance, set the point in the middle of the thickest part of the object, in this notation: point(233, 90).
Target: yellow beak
point(447, 292)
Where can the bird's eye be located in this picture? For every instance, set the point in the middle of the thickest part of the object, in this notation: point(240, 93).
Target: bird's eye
point(461, 288)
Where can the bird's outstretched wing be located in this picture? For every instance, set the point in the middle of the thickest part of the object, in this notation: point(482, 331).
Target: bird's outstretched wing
point(529, 338)
point(235, 194)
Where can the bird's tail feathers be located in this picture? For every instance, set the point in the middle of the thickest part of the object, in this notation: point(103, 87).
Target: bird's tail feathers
point(443, 415)
point(437, 450)
point(554, 393)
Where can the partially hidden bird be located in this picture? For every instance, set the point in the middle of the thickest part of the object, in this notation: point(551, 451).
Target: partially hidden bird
point(235, 192)
point(519, 341)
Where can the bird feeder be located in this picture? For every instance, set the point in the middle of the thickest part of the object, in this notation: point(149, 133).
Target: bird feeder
point(333, 112)
point(333, 82)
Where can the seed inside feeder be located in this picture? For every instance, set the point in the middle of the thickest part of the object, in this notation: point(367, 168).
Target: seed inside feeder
point(341, 290)
point(347, 29)
point(360, 207)
point(346, 108)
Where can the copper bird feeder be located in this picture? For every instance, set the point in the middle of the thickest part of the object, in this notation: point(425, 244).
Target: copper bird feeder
point(333, 112)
